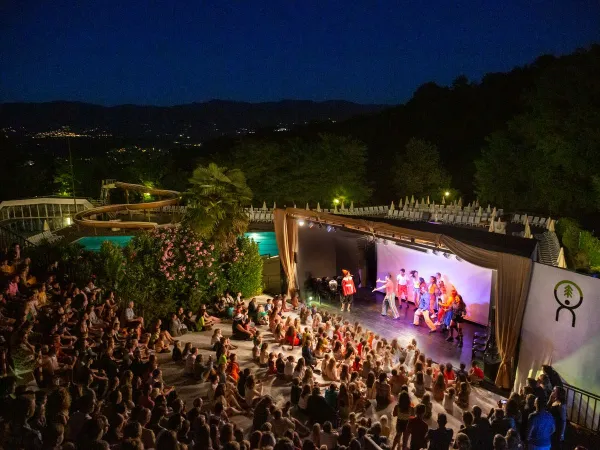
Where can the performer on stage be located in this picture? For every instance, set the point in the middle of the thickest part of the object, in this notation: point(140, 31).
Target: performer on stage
point(459, 310)
point(389, 300)
point(402, 282)
point(416, 285)
point(348, 290)
point(424, 310)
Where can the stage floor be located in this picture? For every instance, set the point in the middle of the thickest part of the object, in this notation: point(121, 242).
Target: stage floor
point(367, 311)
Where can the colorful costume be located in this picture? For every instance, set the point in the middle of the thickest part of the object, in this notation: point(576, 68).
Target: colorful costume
point(348, 290)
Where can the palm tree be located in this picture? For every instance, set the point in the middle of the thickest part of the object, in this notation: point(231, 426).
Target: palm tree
point(216, 200)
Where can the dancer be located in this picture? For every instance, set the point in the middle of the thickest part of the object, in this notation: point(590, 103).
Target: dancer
point(416, 283)
point(459, 310)
point(348, 290)
point(402, 281)
point(424, 309)
point(389, 300)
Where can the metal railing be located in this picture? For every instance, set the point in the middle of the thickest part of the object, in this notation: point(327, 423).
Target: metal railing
point(583, 408)
point(9, 237)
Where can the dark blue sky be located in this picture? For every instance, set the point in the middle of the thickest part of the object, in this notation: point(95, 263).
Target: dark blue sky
point(171, 52)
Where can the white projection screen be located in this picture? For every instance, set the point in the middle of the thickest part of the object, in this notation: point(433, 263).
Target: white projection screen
point(472, 282)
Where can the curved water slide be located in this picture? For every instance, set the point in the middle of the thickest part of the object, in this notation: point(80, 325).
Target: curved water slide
point(84, 218)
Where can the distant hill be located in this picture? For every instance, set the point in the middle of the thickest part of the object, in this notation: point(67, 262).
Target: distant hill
point(197, 120)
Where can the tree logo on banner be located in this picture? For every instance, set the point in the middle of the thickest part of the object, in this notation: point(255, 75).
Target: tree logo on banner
point(569, 297)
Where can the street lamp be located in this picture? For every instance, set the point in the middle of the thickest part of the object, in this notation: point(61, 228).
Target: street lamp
point(447, 194)
point(336, 201)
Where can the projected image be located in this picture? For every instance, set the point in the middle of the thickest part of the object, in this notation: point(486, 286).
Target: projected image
point(472, 282)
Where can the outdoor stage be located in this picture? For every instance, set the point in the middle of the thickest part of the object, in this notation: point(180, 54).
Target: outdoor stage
point(367, 311)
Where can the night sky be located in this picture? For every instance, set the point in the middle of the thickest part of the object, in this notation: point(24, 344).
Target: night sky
point(173, 52)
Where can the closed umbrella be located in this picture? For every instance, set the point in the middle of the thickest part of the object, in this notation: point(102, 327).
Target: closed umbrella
point(335, 211)
point(428, 199)
point(525, 219)
point(561, 262)
point(274, 205)
point(307, 207)
point(491, 229)
point(489, 209)
point(479, 211)
point(406, 201)
point(527, 233)
point(264, 206)
point(548, 223)
point(46, 226)
point(352, 206)
point(342, 207)
point(551, 228)
point(443, 199)
point(460, 202)
point(422, 201)
point(412, 199)
point(417, 204)
point(318, 207)
point(400, 204)
point(494, 212)
point(392, 206)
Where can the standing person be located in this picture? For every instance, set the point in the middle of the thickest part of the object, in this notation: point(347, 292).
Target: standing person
point(416, 429)
point(541, 427)
point(348, 290)
point(402, 283)
point(459, 310)
point(557, 405)
point(416, 286)
point(423, 309)
point(390, 298)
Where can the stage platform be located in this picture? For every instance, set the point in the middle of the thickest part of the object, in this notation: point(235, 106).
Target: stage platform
point(367, 311)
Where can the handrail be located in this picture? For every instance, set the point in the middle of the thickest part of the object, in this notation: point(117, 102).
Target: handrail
point(81, 218)
point(583, 408)
point(8, 237)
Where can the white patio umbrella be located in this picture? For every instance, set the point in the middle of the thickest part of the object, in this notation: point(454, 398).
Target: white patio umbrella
point(479, 211)
point(307, 207)
point(417, 204)
point(342, 207)
point(422, 201)
point(412, 199)
point(392, 206)
point(469, 205)
point(46, 226)
point(264, 206)
point(494, 212)
point(400, 204)
point(443, 199)
point(335, 211)
point(561, 261)
point(405, 207)
point(552, 228)
point(527, 233)
point(318, 207)
point(428, 199)
point(491, 229)
point(406, 201)
point(251, 208)
point(525, 219)
point(274, 205)
point(352, 205)
point(489, 209)
point(548, 223)
point(460, 202)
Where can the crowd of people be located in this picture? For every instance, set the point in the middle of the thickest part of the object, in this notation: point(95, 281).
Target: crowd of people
point(80, 370)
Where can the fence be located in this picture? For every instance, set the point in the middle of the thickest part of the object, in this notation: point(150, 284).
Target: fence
point(583, 408)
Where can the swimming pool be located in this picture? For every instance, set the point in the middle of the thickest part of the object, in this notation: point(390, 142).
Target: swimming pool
point(267, 245)
point(93, 243)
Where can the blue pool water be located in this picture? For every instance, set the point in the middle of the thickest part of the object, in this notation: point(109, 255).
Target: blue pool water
point(93, 243)
point(267, 245)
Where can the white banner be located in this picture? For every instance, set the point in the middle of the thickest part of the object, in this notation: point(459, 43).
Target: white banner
point(561, 327)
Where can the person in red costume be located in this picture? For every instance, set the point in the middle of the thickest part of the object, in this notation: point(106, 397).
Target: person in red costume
point(348, 290)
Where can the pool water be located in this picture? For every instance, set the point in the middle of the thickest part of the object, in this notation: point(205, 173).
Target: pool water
point(267, 245)
point(93, 243)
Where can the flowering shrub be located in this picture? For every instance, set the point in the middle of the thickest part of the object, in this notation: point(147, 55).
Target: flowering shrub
point(244, 268)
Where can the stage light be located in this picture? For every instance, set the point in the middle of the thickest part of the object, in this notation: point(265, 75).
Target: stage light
point(447, 255)
point(311, 224)
point(459, 259)
point(436, 252)
point(301, 222)
point(329, 228)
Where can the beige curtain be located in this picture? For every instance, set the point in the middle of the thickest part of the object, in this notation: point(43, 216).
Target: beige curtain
point(286, 234)
point(512, 287)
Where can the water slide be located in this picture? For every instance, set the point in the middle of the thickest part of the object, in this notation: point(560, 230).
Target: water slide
point(87, 218)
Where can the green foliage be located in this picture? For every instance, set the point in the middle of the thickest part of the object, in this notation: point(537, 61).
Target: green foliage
point(244, 271)
point(420, 171)
point(547, 160)
point(216, 200)
point(111, 265)
point(582, 247)
point(303, 171)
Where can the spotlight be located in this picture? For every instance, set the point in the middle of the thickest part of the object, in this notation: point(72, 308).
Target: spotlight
point(329, 228)
point(459, 259)
point(447, 255)
point(301, 222)
point(436, 252)
point(311, 224)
